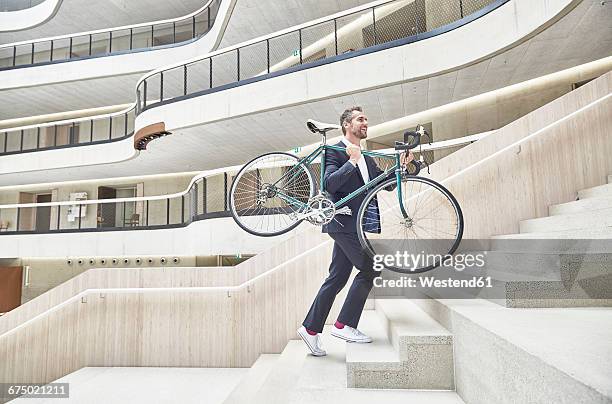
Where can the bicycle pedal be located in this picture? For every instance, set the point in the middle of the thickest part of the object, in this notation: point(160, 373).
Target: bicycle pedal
point(344, 211)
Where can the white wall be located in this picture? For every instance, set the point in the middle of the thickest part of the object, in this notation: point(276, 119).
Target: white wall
point(206, 237)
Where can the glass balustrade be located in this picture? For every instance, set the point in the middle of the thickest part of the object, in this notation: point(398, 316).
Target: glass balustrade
point(108, 128)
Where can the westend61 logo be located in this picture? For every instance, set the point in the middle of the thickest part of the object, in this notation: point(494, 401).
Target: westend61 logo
point(408, 260)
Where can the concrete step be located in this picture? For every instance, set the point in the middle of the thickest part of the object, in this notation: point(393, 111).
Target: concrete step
point(277, 387)
point(582, 205)
point(530, 279)
point(549, 294)
point(564, 281)
point(584, 240)
point(324, 380)
point(599, 219)
point(418, 353)
point(543, 266)
point(601, 191)
point(372, 396)
point(253, 380)
point(508, 356)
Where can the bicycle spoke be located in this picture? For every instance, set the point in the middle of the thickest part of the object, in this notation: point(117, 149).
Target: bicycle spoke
point(433, 225)
point(262, 208)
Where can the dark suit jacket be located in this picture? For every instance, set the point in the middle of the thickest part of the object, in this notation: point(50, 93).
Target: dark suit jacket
point(341, 178)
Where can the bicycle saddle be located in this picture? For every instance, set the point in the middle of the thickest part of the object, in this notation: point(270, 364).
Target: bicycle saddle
point(320, 127)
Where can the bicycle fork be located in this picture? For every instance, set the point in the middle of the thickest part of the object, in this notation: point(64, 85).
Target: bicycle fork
point(398, 179)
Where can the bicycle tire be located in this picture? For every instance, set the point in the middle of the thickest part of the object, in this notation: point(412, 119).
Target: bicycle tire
point(240, 219)
point(371, 247)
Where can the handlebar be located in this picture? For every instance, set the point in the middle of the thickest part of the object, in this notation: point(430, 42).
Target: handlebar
point(412, 138)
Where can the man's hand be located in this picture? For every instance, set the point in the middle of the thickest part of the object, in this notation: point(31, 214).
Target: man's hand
point(406, 157)
point(354, 153)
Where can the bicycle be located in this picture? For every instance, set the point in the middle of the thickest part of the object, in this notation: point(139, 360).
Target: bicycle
point(273, 193)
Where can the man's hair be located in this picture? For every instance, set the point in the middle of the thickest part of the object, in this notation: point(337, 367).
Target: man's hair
point(347, 116)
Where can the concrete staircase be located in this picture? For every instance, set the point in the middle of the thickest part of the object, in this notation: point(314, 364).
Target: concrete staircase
point(473, 349)
point(562, 260)
point(448, 351)
point(590, 216)
point(297, 377)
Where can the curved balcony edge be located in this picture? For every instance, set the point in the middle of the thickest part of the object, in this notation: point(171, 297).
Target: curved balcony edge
point(99, 43)
point(299, 62)
point(13, 20)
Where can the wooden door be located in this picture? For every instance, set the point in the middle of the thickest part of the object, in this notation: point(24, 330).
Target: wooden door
point(10, 288)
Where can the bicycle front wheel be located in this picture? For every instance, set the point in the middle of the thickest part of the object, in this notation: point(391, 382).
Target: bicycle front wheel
point(414, 234)
point(269, 193)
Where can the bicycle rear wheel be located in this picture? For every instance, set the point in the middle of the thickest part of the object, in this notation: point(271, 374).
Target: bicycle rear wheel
point(269, 192)
point(420, 233)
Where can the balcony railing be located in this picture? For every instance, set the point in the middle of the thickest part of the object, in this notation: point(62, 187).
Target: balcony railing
point(111, 41)
point(75, 132)
point(341, 35)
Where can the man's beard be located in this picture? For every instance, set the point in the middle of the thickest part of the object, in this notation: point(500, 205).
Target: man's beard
point(361, 135)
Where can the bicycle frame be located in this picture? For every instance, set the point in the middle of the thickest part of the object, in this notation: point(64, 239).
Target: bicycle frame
point(320, 151)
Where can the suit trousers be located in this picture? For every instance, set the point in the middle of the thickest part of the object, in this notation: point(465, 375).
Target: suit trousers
point(347, 254)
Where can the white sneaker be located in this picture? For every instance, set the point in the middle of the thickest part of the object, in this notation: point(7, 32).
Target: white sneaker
point(350, 334)
point(313, 342)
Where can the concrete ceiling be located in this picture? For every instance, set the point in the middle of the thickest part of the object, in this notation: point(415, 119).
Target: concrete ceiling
point(75, 16)
point(580, 37)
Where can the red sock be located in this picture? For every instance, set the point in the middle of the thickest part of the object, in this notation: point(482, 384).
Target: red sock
point(339, 325)
point(311, 332)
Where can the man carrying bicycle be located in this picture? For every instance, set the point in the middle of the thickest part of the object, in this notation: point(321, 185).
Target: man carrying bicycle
point(345, 172)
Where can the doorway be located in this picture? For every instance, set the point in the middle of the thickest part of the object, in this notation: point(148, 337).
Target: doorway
point(43, 213)
point(107, 211)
